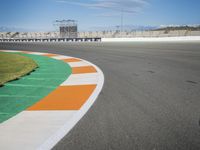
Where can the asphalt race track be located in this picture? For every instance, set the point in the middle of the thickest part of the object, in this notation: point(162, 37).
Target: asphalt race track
point(150, 99)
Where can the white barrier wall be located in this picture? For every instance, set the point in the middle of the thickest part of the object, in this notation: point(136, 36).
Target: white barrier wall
point(157, 39)
point(102, 34)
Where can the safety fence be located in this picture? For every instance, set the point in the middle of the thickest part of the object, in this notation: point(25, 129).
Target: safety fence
point(51, 40)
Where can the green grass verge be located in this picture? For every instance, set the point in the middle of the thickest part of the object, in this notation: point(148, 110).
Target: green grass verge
point(13, 66)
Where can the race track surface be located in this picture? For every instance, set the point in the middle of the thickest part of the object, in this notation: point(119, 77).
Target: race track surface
point(150, 99)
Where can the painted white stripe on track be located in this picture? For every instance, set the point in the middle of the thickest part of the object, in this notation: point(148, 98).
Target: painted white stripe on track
point(78, 64)
point(29, 129)
point(60, 57)
point(12, 51)
point(81, 79)
point(37, 53)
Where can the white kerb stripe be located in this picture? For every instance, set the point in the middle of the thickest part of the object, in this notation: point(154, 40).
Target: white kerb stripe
point(81, 79)
point(30, 129)
point(60, 57)
point(37, 53)
point(10, 51)
point(79, 64)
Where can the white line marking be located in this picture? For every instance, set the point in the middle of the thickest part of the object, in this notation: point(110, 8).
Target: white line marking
point(60, 57)
point(78, 64)
point(81, 79)
point(11, 51)
point(37, 53)
point(29, 129)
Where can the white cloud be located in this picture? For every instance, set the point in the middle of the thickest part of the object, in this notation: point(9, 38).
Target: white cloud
point(127, 6)
point(108, 14)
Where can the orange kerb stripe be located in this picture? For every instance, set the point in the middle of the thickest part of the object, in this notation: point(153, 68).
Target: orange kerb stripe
point(87, 69)
point(65, 98)
point(71, 60)
point(50, 55)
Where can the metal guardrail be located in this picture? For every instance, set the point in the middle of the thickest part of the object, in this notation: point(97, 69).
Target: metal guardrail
point(52, 40)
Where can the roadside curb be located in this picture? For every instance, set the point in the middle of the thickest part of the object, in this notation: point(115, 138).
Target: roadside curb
point(45, 123)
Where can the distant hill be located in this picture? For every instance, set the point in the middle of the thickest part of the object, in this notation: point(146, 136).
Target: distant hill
point(146, 28)
point(171, 28)
point(19, 29)
point(125, 28)
point(11, 29)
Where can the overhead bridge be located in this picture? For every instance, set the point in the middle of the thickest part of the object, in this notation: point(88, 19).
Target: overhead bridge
point(52, 40)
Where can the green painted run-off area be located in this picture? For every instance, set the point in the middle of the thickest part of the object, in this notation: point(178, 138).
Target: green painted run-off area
point(18, 95)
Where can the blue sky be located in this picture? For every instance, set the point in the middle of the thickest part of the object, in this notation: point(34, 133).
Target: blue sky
point(40, 14)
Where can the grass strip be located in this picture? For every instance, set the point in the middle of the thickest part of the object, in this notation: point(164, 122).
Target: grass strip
point(14, 66)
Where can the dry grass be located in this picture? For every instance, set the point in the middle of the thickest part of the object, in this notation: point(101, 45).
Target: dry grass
point(13, 66)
